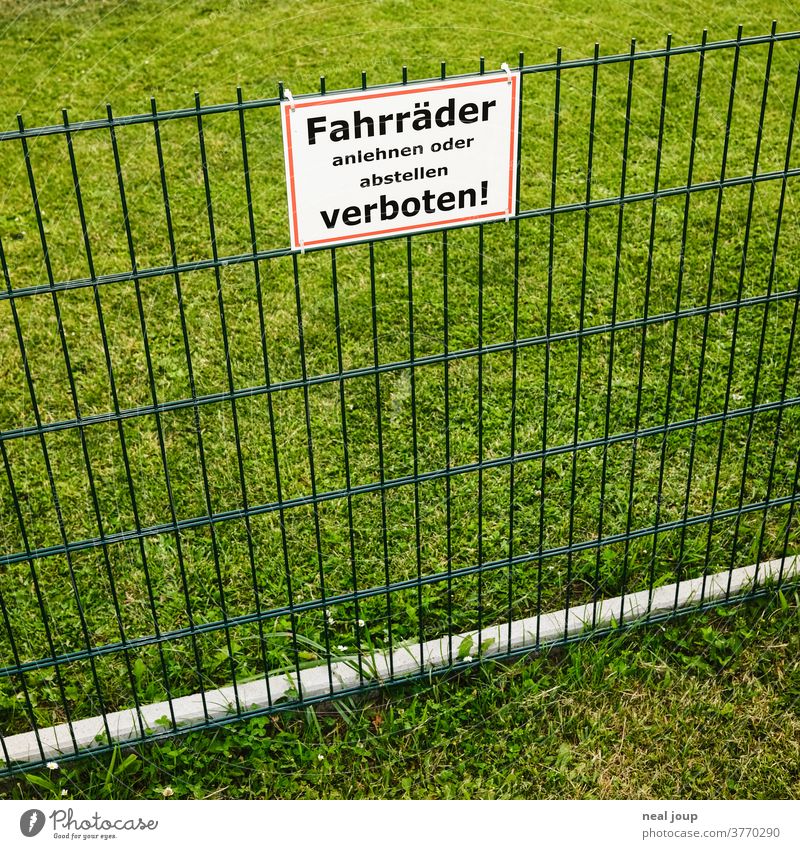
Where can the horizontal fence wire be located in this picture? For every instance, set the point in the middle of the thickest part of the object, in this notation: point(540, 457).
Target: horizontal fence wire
point(173, 114)
point(224, 262)
point(229, 466)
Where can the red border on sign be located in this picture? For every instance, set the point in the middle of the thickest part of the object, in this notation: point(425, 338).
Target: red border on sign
point(388, 231)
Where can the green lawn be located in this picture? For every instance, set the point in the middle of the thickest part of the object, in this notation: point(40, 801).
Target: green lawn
point(79, 55)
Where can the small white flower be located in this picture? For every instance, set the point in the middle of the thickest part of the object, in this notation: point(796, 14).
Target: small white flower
point(51, 765)
point(361, 623)
point(342, 648)
point(320, 757)
point(468, 658)
point(167, 792)
point(64, 792)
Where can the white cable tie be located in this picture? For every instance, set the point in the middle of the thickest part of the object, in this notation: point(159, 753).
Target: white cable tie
point(288, 95)
point(504, 67)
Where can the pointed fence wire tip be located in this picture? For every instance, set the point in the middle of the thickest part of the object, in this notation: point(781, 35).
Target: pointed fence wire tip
point(288, 95)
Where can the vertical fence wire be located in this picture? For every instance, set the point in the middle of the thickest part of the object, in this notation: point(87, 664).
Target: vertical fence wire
point(789, 350)
point(81, 431)
point(675, 323)
point(642, 347)
point(763, 332)
point(737, 309)
point(187, 352)
point(112, 384)
point(614, 305)
point(547, 345)
point(706, 320)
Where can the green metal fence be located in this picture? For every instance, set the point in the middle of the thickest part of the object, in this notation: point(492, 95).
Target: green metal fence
point(238, 480)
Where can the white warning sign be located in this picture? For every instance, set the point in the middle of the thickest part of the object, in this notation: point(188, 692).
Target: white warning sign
point(400, 159)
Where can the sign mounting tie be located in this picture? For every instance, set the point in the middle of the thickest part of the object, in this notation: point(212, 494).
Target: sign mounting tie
point(504, 67)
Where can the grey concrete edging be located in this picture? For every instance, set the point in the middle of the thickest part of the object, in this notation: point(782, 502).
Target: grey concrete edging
point(343, 673)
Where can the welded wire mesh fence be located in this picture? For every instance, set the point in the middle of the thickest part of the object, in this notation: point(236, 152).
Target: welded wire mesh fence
point(238, 480)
